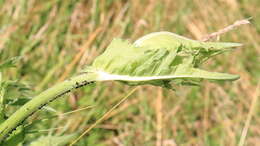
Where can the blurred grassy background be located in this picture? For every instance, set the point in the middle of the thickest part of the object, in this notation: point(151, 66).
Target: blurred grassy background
point(59, 37)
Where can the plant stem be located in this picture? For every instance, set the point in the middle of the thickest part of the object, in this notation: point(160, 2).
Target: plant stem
point(41, 100)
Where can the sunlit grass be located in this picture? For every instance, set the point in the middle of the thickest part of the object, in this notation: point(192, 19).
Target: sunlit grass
point(49, 35)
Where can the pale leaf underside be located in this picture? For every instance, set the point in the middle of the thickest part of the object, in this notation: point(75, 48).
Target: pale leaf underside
point(159, 59)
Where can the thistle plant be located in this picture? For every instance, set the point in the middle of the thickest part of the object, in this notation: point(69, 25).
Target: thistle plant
point(160, 59)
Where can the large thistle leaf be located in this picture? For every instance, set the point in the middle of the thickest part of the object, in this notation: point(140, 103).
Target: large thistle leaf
point(159, 59)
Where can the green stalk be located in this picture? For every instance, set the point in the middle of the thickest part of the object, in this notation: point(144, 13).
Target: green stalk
point(41, 100)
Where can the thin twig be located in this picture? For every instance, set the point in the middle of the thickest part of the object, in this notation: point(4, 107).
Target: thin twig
point(226, 29)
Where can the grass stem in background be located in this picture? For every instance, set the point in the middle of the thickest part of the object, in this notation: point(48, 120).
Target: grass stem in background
point(249, 116)
point(104, 116)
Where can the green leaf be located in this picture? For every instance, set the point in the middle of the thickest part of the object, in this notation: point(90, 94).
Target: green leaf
point(9, 63)
point(2, 99)
point(17, 101)
point(17, 137)
point(17, 92)
point(53, 140)
point(172, 40)
point(159, 59)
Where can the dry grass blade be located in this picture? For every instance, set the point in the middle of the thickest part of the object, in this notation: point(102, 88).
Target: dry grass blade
point(250, 115)
point(104, 116)
point(159, 118)
point(226, 29)
point(74, 111)
point(62, 114)
point(76, 58)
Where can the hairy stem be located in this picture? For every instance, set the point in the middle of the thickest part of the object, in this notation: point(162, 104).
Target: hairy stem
point(41, 100)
